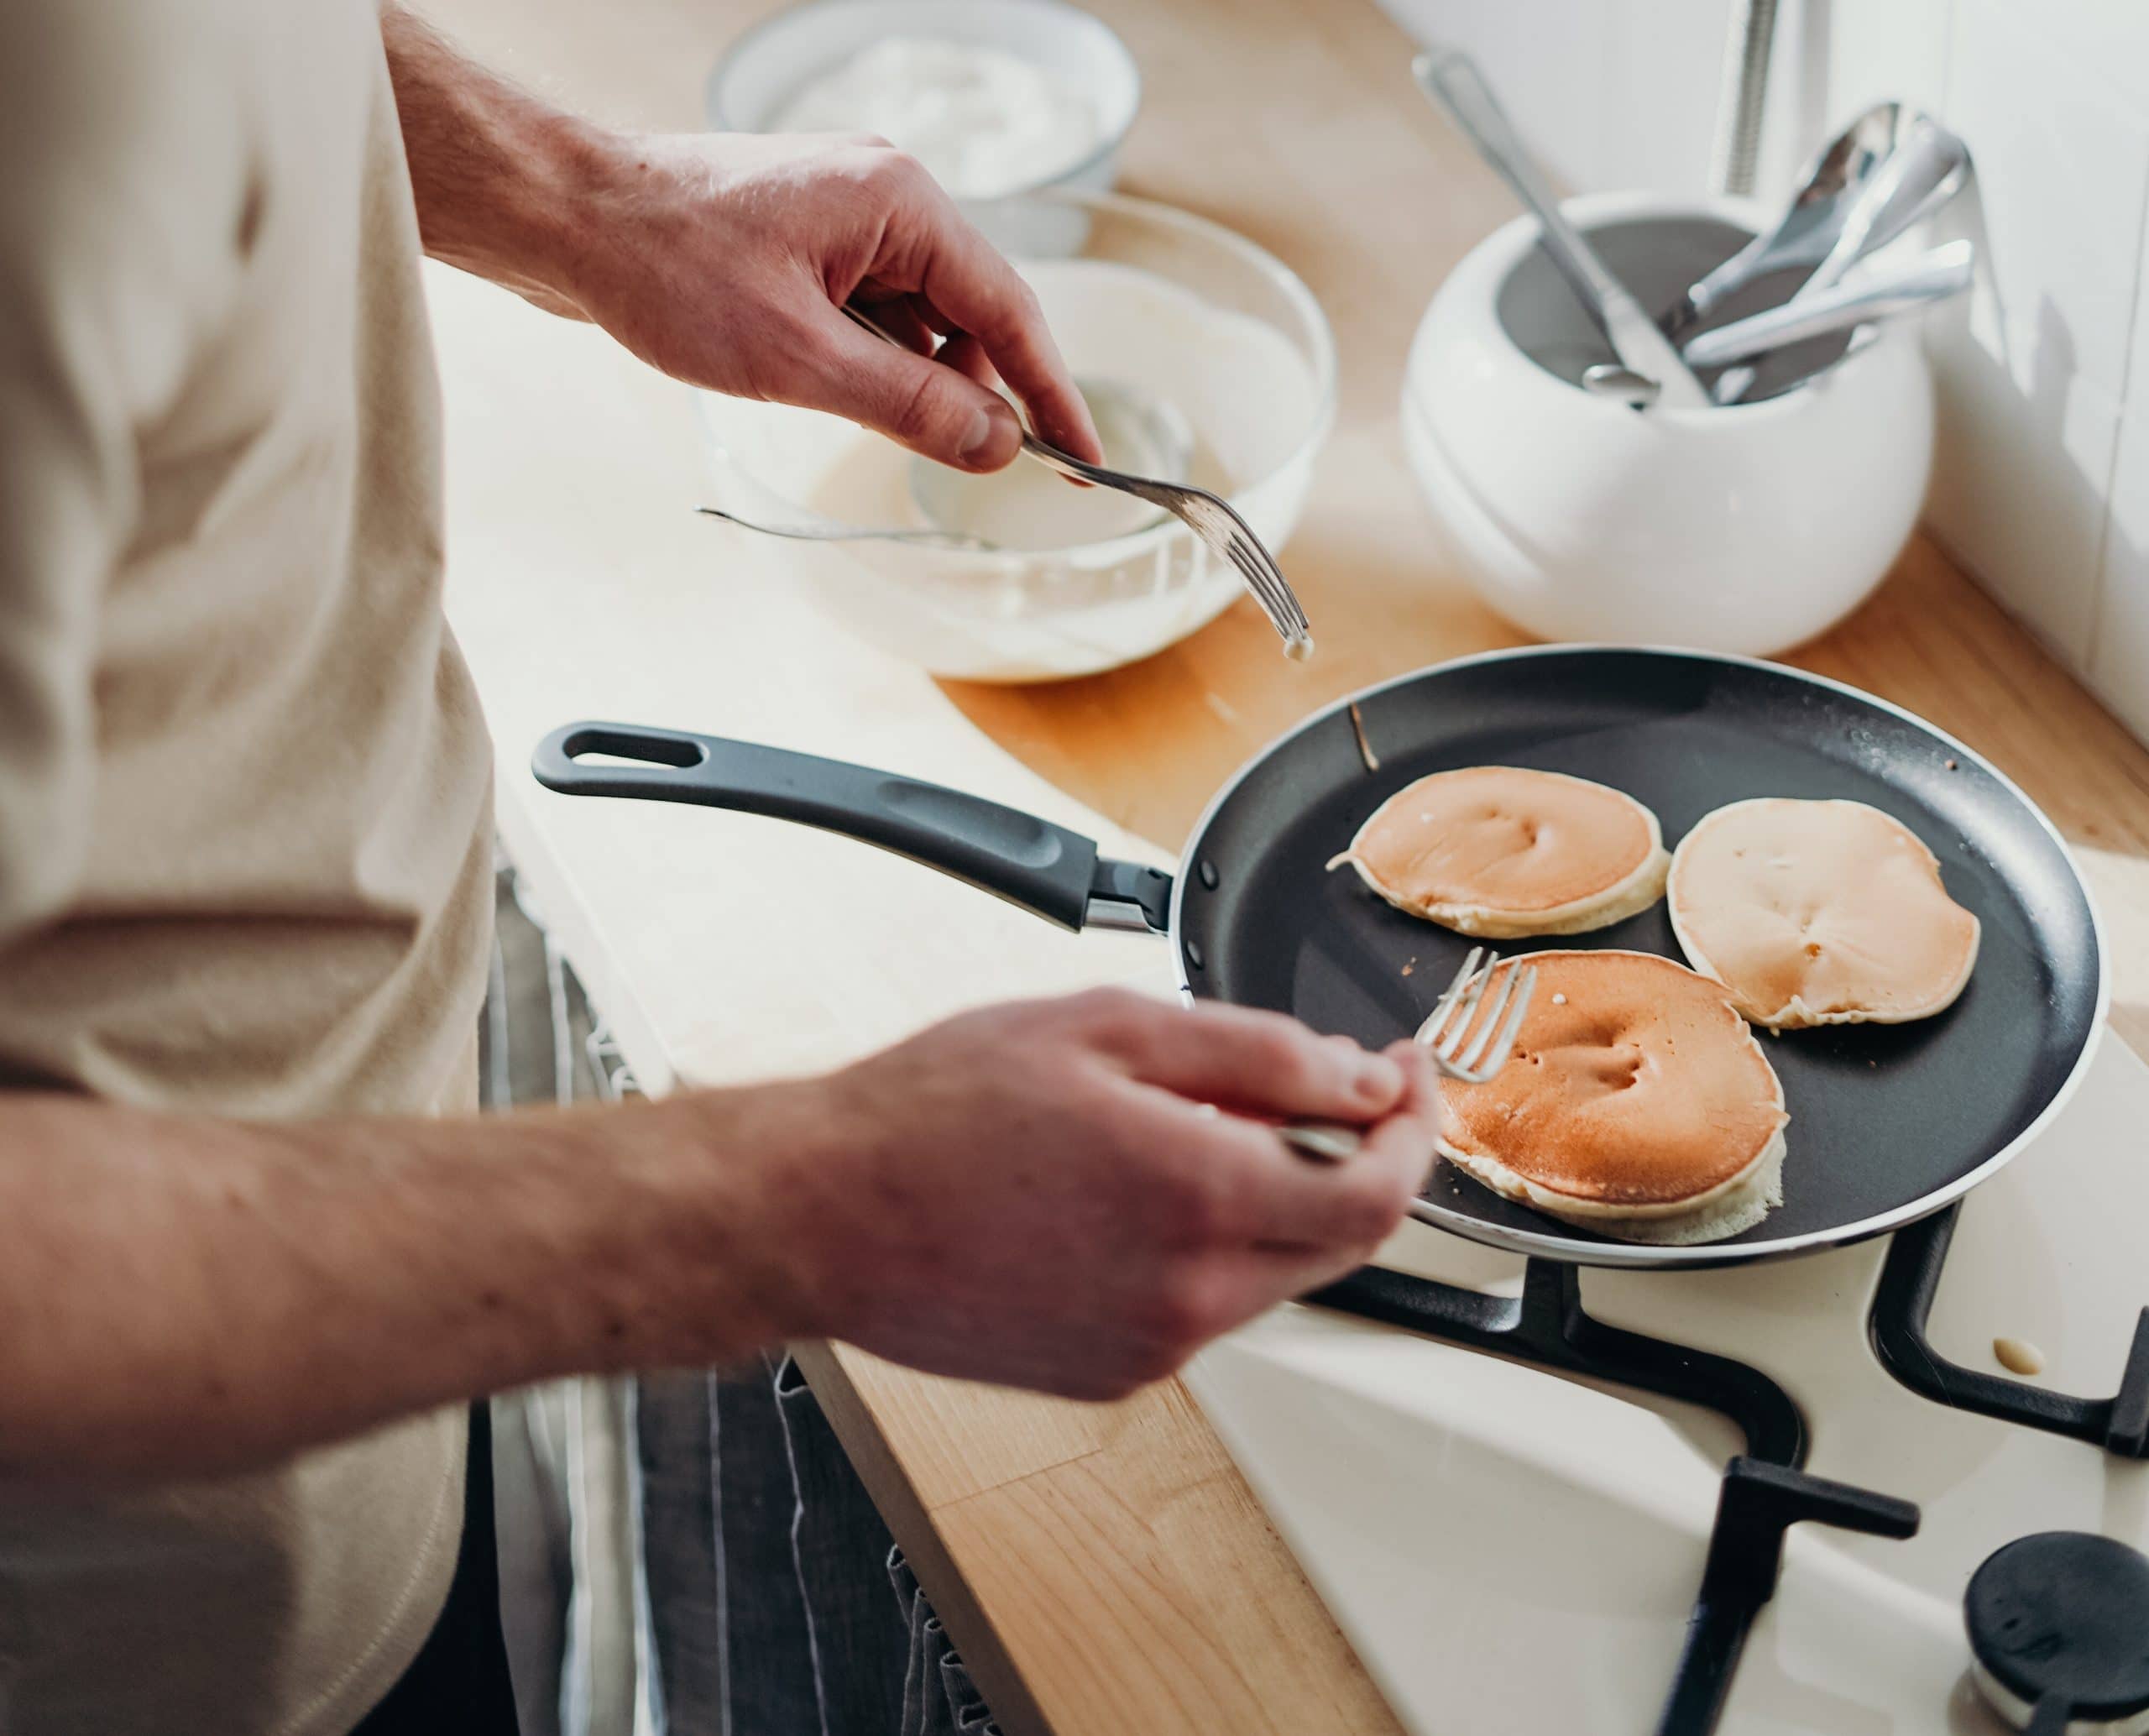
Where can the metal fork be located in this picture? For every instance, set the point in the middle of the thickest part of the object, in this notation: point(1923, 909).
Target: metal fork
point(1470, 1040)
point(1209, 516)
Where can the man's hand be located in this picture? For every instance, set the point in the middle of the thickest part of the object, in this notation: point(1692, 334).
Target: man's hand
point(726, 259)
point(1038, 1195)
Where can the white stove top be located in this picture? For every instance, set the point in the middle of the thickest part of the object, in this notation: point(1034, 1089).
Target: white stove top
point(1511, 1552)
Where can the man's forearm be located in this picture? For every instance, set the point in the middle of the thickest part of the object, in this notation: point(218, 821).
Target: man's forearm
point(725, 260)
point(184, 1295)
point(495, 171)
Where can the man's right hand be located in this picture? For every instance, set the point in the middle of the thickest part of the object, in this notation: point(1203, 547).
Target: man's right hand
point(1037, 1194)
point(1041, 1194)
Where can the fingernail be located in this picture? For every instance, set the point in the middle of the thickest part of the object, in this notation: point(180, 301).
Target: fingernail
point(1380, 1080)
point(984, 430)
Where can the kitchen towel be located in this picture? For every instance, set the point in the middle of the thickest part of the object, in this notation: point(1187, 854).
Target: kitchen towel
point(939, 1698)
point(770, 1574)
point(857, 1637)
point(690, 1553)
point(566, 1476)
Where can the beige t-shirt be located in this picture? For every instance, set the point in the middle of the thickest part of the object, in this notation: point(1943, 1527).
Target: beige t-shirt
point(244, 785)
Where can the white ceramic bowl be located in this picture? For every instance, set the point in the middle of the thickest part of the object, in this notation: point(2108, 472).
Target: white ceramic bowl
point(1011, 615)
point(1745, 529)
point(767, 65)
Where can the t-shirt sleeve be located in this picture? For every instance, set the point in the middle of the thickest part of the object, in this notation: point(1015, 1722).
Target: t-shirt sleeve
point(125, 173)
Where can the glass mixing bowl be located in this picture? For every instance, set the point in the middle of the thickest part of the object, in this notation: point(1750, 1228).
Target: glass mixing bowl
point(1181, 310)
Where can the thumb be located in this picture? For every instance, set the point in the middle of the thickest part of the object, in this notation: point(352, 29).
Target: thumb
point(931, 408)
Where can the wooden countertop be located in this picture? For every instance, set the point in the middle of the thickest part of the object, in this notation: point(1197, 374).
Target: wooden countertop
point(1103, 1568)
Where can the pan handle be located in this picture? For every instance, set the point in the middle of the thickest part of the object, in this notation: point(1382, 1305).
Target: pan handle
point(1026, 860)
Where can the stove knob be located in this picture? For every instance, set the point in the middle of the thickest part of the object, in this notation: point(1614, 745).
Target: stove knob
point(2059, 1634)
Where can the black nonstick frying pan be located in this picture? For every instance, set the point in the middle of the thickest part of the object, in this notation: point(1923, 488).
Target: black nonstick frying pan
point(1888, 1122)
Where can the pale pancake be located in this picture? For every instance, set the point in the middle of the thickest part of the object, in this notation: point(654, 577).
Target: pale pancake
point(1819, 914)
point(1502, 852)
point(1637, 1103)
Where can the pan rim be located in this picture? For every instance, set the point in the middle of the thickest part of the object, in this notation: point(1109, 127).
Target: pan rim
point(1643, 1256)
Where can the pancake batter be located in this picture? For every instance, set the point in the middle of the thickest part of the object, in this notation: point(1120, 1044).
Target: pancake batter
point(1820, 913)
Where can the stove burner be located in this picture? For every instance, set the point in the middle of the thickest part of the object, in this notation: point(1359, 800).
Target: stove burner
point(2059, 1629)
point(1909, 1280)
point(1764, 1491)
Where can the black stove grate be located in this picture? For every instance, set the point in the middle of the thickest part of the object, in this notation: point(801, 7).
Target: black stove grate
point(1546, 1325)
point(1765, 1491)
point(1903, 1303)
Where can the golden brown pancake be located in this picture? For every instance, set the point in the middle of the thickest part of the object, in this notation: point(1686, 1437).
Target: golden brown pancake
point(1499, 851)
point(1636, 1102)
point(1819, 914)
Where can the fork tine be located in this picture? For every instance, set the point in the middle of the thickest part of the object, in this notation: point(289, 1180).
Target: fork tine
point(1223, 546)
point(1267, 561)
point(1259, 551)
point(1257, 581)
point(1430, 1028)
point(1287, 622)
point(1253, 559)
point(1248, 555)
point(1489, 1019)
point(1498, 1058)
point(1236, 544)
point(1471, 960)
point(1228, 537)
point(1457, 1026)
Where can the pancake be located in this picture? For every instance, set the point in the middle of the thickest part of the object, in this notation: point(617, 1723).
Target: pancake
point(1502, 852)
point(1819, 914)
point(1636, 1103)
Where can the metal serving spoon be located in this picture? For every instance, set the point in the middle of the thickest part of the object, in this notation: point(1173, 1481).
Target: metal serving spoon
point(1925, 170)
point(1451, 79)
point(1809, 228)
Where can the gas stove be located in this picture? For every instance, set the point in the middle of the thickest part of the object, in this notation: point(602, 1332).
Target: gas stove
point(1808, 1496)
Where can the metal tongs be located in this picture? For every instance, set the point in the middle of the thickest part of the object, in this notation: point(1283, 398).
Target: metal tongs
point(1209, 516)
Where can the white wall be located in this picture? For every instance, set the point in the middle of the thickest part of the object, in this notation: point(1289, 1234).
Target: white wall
point(2041, 488)
point(1622, 93)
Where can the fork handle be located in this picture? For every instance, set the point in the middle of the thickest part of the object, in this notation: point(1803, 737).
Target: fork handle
point(1074, 470)
point(1323, 1141)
